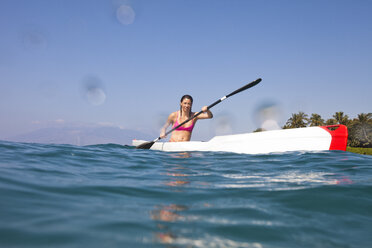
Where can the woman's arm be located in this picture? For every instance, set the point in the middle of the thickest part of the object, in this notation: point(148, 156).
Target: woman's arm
point(207, 113)
point(166, 125)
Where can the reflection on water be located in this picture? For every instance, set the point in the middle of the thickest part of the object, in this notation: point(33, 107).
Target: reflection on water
point(176, 174)
point(122, 197)
point(180, 155)
point(177, 177)
point(176, 222)
point(176, 183)
point(169, 213)
point(293, 180)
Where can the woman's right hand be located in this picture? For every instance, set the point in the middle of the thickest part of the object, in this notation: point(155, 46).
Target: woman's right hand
point(162, 134)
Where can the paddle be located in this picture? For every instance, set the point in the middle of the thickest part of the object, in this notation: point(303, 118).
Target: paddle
point(148, 145)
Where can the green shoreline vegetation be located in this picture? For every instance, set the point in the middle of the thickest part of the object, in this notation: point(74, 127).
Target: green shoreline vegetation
point(359, 129)
point(360, 150)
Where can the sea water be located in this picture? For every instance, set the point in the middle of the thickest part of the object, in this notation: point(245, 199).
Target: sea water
point(118, 196)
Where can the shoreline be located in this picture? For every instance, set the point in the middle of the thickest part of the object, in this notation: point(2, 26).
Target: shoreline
point(359, 150)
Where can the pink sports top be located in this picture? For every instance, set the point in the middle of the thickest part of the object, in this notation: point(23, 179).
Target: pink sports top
point(181, 128)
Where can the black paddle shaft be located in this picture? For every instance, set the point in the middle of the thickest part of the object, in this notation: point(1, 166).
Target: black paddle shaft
point(148, 145)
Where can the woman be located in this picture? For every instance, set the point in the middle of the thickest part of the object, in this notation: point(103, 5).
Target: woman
point(183, 133)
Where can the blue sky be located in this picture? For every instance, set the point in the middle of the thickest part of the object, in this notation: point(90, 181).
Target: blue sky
point(127, 63)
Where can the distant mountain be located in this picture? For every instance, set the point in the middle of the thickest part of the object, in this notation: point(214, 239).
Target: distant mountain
point(81, 136)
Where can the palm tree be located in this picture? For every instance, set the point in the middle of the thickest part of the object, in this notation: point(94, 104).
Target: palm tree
point(360, 132)
point(341, 118)
point(364, 118)
point(331, 122)
point(316, 120)
point(297, 120)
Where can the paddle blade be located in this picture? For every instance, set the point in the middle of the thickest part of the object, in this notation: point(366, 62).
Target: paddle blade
point(146, 145)
point(247, 86)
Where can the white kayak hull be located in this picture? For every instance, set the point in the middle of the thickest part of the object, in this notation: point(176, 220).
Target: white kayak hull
point(285, 140)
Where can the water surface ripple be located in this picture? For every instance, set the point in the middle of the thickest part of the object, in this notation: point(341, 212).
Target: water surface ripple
point(117, 196)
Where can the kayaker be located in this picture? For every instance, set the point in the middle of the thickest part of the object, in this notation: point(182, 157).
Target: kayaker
point(183, 133)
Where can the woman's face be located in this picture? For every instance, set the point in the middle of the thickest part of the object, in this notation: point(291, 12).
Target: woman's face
point(186, 105)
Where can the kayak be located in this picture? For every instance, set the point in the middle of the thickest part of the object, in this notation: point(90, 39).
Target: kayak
point(320, 138)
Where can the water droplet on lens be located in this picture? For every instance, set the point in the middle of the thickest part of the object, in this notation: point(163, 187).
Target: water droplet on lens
point(93, 91)
point(125, 15)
